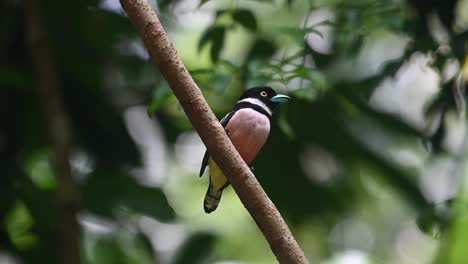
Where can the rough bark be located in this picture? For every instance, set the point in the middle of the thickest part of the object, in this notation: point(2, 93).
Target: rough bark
point(252, 195)
point(59, 130)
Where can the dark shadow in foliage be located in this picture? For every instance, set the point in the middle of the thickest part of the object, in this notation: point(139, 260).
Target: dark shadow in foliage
point(262, 49)
point(100, 129)
point(106, 192)
point(196, 249)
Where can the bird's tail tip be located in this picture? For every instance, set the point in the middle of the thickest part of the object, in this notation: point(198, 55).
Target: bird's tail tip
point(208, 210)
point(211, 201)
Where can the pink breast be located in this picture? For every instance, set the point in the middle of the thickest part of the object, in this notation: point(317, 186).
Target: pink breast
point(248, 131)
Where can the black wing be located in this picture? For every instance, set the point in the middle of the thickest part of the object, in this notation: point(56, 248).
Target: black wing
point(223, 122)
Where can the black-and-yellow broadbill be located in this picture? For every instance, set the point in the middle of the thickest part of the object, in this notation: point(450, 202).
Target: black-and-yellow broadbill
point(248, 126)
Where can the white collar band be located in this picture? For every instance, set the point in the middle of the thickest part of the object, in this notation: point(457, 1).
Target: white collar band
point(257, 102)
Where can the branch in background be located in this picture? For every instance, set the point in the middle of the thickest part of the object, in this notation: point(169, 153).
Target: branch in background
point(60, 134)
point(254, 198)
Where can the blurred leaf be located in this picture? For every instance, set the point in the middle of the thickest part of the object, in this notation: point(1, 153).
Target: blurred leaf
point(39, 168)
point(196, 249)
point(218, 43)
point(245, 18)
point(325, 22)
point(104, 194)
point(163, 4)
point(453, 247)
point(144, 246)
point(262, 48)
point(314, 31)
point(215, 36)
point(221, 12)
point(18, 224)
point(434, 220)
point(285, 126)
point(293, 34)
point(306, 93)
point(356, 45)
point(459, 43)
point(296, 35)
point(162, 95)
point(121, 246)
point(202, 2)
point(201, 71)
point(107, 251)
point(209, 35)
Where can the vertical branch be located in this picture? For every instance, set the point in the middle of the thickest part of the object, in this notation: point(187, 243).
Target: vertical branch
point(59, 129)
point(250, 192)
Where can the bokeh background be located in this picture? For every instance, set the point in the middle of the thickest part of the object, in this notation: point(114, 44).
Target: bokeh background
point(366, 163)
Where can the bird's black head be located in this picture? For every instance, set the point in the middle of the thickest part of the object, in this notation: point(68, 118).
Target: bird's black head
point(266, 95)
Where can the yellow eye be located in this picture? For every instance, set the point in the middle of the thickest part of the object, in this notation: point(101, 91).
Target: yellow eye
point(263, 93)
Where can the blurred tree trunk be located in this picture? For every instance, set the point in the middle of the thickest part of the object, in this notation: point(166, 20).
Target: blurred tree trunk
point(60, 134)
point(252, 195)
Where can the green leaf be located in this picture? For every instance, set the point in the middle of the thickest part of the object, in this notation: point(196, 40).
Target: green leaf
point(434, 219)
point(202, 2)
point(162, 95)
point(210, 34)
point(245, 18)
point(39, 169)
point(107, 251)
point(215, 36)
point(325, 22)
point(122, 245)
point(218, 43)
point(293, 34)
point(306, 93)
point(356, 45)
point(262, 48)
point(285, 126)
point(196, 249)
point(18, 223)
point(315, 31)
point(105, 193)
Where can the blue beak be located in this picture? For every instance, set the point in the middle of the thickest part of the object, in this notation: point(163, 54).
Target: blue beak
point(280, 98)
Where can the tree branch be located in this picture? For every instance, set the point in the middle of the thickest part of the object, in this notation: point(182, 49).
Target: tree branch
point(254, 198)
point(60, 134)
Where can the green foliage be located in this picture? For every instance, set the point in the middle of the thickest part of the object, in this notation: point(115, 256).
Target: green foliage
point(196, 249)
point(122, 192)
point(161, 96)
point(215, 36)
point(18, 223)
point(39, 168)
point(245, 18)
point(119, 248)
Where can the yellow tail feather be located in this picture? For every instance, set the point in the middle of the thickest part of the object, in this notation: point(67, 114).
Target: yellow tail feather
point(215, 189)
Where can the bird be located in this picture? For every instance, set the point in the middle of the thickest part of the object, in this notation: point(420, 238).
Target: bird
point(247, 126)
